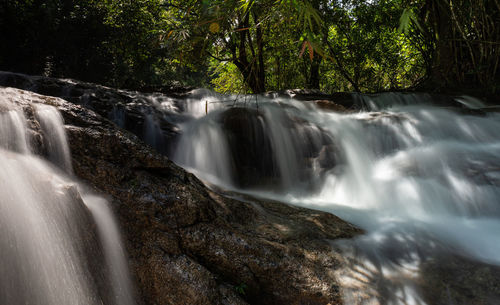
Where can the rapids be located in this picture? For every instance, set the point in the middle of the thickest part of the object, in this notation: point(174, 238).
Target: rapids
point(49, 252)
point(419, 178)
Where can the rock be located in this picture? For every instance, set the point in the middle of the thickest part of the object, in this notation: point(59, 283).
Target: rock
point(250, 146)
point(138, 113)
point(331, 106)
point(175, 90)
point(338, 101)
point(189, 245)
point(451, 279)
point(253, 148)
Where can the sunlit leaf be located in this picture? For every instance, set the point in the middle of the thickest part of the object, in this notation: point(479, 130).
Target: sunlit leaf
point(404, 21)
point(214, 27)
point(407, 17)
point(304, 44)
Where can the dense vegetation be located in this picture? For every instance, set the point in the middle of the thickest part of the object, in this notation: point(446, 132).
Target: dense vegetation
point(257, 45)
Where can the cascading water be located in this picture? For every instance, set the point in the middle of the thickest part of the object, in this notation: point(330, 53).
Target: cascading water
point(52, 125)
point(49, 254)
point(260, 143)
point(418, 172)
point(419, 179)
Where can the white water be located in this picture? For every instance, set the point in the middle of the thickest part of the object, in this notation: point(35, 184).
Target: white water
point(204, 147)
point(53, 130)
point(48, 254)
point(121, 284)
point(206, 138)
point(418, 179)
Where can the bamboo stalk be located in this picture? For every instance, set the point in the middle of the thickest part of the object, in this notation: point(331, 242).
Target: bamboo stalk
point(454, 17)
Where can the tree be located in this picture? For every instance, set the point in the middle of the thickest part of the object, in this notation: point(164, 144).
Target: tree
point(113, 42)
point(461, 40)
point(256, 45)
point(240, 32)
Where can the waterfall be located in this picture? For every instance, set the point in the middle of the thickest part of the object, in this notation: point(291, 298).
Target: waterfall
point(255, 142)
point(419, 176)
point(53, 130)
point(381, 101)
point(206, 151)
point(49, 252)
point(13, 131)
point(420, 173)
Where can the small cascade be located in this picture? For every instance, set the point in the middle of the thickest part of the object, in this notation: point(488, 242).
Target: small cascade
point(202, 101)
point(374, 102)
point(205, 150)
point(40, 256)
point(13, 131)
point(381, 101)
point(265, 145)
point(470, 102)
point(121, 284)
point(49, 251)
point(55, 137)
point(422, 181)
point(421, 178)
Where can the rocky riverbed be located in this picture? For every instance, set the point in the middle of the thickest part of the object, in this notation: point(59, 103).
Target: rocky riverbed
point(189, 244)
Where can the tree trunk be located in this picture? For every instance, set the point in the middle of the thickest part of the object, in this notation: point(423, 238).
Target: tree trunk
point(261, 74)
point(313, 79)
point(253, 70)
point(443, 56)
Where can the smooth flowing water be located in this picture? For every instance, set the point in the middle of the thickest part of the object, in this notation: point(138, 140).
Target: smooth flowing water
point(422, 178)
point(49, 252)
point(419, 179)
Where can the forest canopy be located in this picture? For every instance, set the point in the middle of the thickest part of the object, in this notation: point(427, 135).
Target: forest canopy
point(257, 45)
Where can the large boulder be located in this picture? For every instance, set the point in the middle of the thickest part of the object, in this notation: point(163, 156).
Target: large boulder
point(190, 245)
point(141, 114)
point(452, 279)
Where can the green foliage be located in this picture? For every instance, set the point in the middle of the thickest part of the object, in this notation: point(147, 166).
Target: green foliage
point(226, 78)
point(355, 45)
point(241, 288)
point(460, 42)
point(255, 45)
point(407, 18)
point(368, 52)
point(113, 42)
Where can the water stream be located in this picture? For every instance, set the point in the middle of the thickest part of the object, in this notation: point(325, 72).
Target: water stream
point(419, 179)
point(50, 253)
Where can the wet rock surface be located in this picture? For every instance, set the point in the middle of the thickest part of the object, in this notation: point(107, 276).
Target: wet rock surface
point(190, 245)
point(451, 279)
point(140, 114)
point(254, 153)
point(380, 273)
point(338, 101)
point(331, 106)
point(352, 101)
